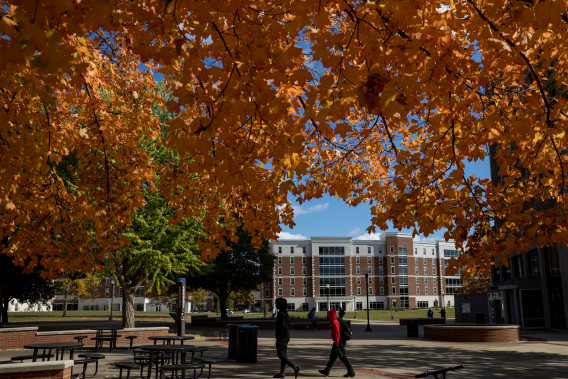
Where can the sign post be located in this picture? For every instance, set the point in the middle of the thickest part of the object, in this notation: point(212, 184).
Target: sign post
point(180, 308)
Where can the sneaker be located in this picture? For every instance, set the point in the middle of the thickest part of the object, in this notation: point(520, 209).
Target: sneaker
point(349, 374)
point(296, 371)
point(324, 372)
point(279, 375)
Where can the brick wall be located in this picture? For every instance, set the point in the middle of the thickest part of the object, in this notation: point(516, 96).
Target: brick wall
point(37, 370)
point(472, 333)
point(18, 337)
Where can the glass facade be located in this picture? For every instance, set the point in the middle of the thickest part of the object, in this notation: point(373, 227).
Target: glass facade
point(332, 271)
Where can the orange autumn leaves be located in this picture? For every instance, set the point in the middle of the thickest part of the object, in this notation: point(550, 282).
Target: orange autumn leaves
point(377, 102)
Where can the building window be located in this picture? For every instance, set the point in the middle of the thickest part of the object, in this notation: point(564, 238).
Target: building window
point(370, 290)
point(304, 271)
point(358, 290)
point(370, 280)
point(279, 249)
point(425, 270)
point(291, 270)
point(433, 270)
point(358, 281)
point(392, 270)
point(434, 280)
point(291, 250)
point(393, 280)
point(359, 306)
point(279, 281)
point(392, 249)
point(432, 251)
point(382, 290)
point(266, 293)
point(357, 260)
point(435, 290)
point(357, 250)
point(422, 304)
point(279, 270)
point(416, 270)
point(424, 251)
point(433, 261)
point(368, 249)
point(107, 281)
point(107, 292)
point(292, 281)
point(415, 251)
point(417, 290)
point(394, 290)
point(303, 260)
point(392, 260)
point(380, 260)
point(415, 261)
point(401, 250)
point(357, 270)
point(426, 290)
point(279, 260)
point(292, 292)
point(267, 284)
point(291, 260)
point(279, 291)
point(382, 280)
point(424, 261)
point(380, 250)
point(369, 260)
point(417, 280)
point(304, 281)
point(425, 280)
point(381, 270)
point(305, 292)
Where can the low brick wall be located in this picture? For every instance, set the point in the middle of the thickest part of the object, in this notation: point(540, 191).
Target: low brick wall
point(424, 321)
point(37, 370)
point(295, 323)
point(473, 333)
point(18, 337)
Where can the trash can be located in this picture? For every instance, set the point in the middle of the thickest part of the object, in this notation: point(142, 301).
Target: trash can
point(247, 341)
point(412, 327)
point(232, 340)
point(480, 318)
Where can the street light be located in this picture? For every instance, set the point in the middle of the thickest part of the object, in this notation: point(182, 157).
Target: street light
point(443, 305)
point(389, 306)
point(354, 308)
point(327, 290)
point(367, 282)
point(111, 298)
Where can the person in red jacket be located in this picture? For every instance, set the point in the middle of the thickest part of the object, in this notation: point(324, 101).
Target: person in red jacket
point(338, 348)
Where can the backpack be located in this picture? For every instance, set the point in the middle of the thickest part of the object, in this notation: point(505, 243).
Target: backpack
point(310, 314)
point(346, 333)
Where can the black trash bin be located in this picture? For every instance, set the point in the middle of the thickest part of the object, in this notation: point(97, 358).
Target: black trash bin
point(480, 318)
point(247, 342)
point(232, 340)
point(412, 327)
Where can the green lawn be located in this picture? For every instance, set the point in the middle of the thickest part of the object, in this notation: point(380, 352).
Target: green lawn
point(18, 317)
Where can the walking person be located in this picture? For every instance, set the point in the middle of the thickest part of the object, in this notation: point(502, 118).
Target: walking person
point(339, 343)
point(283, 337)
point(313, 318)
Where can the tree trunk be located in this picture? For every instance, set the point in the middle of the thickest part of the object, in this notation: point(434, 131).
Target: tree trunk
point(128, 292)
point(223, 304)
point(65, 300)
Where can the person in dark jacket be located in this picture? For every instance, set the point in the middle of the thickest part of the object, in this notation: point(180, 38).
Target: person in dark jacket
point(338, 348)
point(283, 337)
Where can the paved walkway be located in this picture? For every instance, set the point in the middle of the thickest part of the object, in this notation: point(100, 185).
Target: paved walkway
point(385, 352)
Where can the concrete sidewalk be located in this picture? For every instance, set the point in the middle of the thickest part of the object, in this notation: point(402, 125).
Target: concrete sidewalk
point(385, 352)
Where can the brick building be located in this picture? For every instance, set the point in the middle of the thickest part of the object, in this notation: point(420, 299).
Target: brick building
point(402, 272)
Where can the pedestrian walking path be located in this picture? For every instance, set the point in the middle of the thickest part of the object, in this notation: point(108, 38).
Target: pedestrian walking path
point(385, 352)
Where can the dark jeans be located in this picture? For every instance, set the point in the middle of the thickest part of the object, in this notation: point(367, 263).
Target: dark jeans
point(339, 352)
point(281, 347)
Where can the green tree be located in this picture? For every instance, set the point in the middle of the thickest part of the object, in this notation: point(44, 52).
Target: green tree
point(241, 267)
point(198, 297)
point(158, 252)
point(24, 287)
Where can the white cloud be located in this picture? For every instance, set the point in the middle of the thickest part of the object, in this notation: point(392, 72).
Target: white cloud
point(354, 231)
point(290, 236)
point(420, 238)
point(370, 236)
point(300, 210)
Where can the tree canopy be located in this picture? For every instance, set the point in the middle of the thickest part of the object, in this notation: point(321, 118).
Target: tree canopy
point(376, 102)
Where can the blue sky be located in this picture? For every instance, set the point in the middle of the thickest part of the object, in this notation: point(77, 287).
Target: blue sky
point(329, 217)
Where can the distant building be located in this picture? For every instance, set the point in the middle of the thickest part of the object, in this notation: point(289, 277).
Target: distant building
point(401, 272)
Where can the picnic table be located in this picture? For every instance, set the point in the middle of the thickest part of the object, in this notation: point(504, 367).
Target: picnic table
point(169, 340)
point(160, 355)
point(103, 334)
point(48, 347)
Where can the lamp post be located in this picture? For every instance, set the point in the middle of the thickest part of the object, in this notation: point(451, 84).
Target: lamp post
point(111, 298)
point(443, 305)
point(367, 282)
point(390, 308)
point(327, 291)
point(354, 308)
